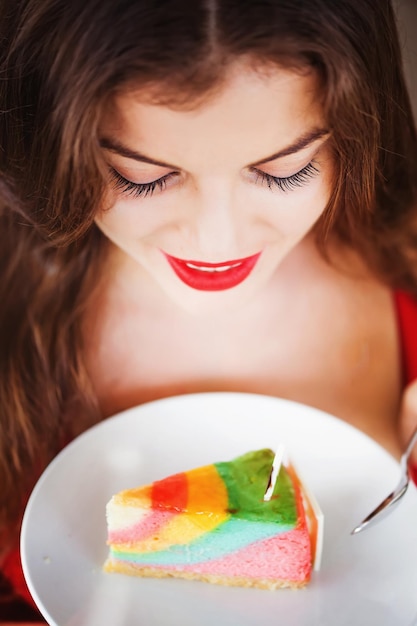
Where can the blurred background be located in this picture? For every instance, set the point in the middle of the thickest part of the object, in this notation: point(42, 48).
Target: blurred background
point(407, 24)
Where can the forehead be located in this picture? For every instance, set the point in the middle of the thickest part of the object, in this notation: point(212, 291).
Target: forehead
point(250, 105)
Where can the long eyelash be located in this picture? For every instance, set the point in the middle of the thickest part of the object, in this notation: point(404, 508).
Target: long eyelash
point(137, 189)
point(147, 189)
point(290, 182)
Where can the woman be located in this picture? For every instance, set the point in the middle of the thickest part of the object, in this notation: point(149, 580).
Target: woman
point(201, 196)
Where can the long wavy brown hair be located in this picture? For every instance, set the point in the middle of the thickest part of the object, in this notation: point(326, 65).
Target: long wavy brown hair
point(60, 63)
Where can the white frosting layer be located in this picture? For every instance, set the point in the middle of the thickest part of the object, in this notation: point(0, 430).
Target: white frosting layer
point(121, 517)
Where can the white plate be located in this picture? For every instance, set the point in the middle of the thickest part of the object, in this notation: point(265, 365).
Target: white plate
point(367, 579)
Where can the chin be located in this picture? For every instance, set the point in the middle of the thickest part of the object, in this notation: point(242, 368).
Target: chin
point(209, 303)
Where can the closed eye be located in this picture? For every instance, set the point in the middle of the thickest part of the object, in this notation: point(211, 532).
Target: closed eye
point(139, 189)
point(288, 183)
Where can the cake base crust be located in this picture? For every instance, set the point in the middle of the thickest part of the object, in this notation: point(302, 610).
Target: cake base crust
point(229, 581)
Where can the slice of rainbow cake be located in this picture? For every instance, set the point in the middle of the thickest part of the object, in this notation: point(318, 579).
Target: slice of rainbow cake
point(212, 524)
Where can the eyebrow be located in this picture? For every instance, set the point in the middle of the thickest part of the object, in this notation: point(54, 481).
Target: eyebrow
point(299, 144)
point(115, 146)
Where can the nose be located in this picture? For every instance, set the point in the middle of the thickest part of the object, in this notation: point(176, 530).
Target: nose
point(217, 222)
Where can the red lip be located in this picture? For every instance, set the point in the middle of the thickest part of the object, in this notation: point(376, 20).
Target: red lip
point(213, 276)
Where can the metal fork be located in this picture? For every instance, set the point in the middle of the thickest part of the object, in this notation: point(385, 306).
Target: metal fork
point(392, 500)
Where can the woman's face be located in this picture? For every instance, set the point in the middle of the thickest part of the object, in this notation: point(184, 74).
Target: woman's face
point(207, 202)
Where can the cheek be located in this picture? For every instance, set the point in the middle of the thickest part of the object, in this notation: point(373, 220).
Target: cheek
point(295, 212)
point(130, 219)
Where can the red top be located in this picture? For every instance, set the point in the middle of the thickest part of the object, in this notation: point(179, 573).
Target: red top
point(407, 322)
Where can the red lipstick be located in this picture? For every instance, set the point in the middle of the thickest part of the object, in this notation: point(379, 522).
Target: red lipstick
point(213, 276)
